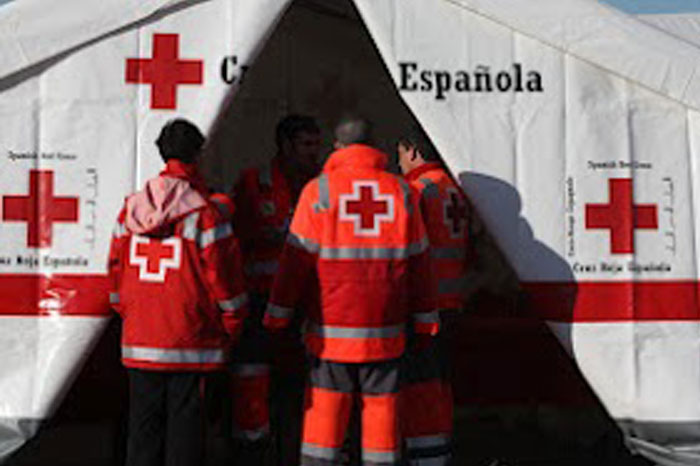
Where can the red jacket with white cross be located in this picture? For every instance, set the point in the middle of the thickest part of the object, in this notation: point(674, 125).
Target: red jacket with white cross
point(176, 276)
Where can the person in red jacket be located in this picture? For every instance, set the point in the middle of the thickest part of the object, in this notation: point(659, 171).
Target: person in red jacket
point(177, 284)
point(265, 198)
point(427, 409)
point(356, 260)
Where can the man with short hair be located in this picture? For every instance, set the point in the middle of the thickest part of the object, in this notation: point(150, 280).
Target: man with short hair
point(177, 284)
point(265, 198)
point(427, 408)
point(356, 261)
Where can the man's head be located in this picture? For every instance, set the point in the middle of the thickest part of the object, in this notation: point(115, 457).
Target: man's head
point(352, 130)
point(298, 141)
point(180, 140)
point(414, 149)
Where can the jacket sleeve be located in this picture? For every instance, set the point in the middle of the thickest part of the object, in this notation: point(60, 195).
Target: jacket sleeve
point(422, 278)
point(221, 260)
point(297, 265)
point(114, 262)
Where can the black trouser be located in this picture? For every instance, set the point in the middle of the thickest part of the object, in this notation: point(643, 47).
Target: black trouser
point(165, 422)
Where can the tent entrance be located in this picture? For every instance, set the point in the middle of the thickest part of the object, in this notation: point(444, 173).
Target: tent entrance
point(319, 61)
point(519, 395)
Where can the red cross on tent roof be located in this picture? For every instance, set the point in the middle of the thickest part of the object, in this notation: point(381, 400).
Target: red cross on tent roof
point(164, 72)
point(40, 209)
point(621, 216)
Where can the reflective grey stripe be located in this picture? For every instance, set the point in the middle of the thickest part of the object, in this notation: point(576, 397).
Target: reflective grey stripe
point(380, 456)
point(114, 298)
point(374, 253)
point(327, 331)
point(455, 252)
point(234, 304)
point(428, 441)
point(251, 435)
point(212, 235)
point(442, 460)
point(279, 312)
point(303, 243)
point(265, 175)
point(324, 193)
point(427, 317)
point(406, 195)
point(251, 370)
point(431, 190)
point(327, 453)
point(256, 269)
point(189, 228)
point(452, 285)
point(177, 356)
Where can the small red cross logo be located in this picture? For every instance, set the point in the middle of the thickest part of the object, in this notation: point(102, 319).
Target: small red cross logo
point(621, 216)
point(40, 209)
point(366, 207)
point(155, 256)
point(455, 213)
point(164, 72)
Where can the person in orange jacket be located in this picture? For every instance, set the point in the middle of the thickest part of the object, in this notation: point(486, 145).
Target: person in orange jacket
point(177, 284)
point(356, 260)
point(265, 198)
point(427, 394)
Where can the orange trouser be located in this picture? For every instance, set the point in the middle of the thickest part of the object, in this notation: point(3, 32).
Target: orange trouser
point(426, 408)
point(329, 403)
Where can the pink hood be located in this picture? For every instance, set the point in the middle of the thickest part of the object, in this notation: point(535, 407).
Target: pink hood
point(163, 200)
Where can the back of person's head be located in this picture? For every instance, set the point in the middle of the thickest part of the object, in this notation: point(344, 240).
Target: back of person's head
point(417, 139)
point(353, 130)
point(180, 140)
point(290, 126)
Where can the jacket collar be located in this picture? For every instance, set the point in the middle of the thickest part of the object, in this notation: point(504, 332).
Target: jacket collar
point(356, 156)
point(185, 171)
point(421, 170)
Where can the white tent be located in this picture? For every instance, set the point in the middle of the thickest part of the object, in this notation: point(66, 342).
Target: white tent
point(572, 125)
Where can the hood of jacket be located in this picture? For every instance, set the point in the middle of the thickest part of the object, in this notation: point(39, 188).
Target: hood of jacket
point(174, 193)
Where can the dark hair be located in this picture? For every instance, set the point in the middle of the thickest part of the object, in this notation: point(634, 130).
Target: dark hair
point(417, 139)
point(353, 130)
point(291, 125)
point(180, 140)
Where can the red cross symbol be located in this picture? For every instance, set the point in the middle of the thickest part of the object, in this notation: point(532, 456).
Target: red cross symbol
point(366, 208)
point(164, 72)
point(40, 209)
point(621, 216)
point(455, 213)
point(154, 256)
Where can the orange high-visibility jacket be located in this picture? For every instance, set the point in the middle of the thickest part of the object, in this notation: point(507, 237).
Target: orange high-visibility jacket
point(356, 260)
point(446, 215)
point(264, 207)
point(178, 284)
